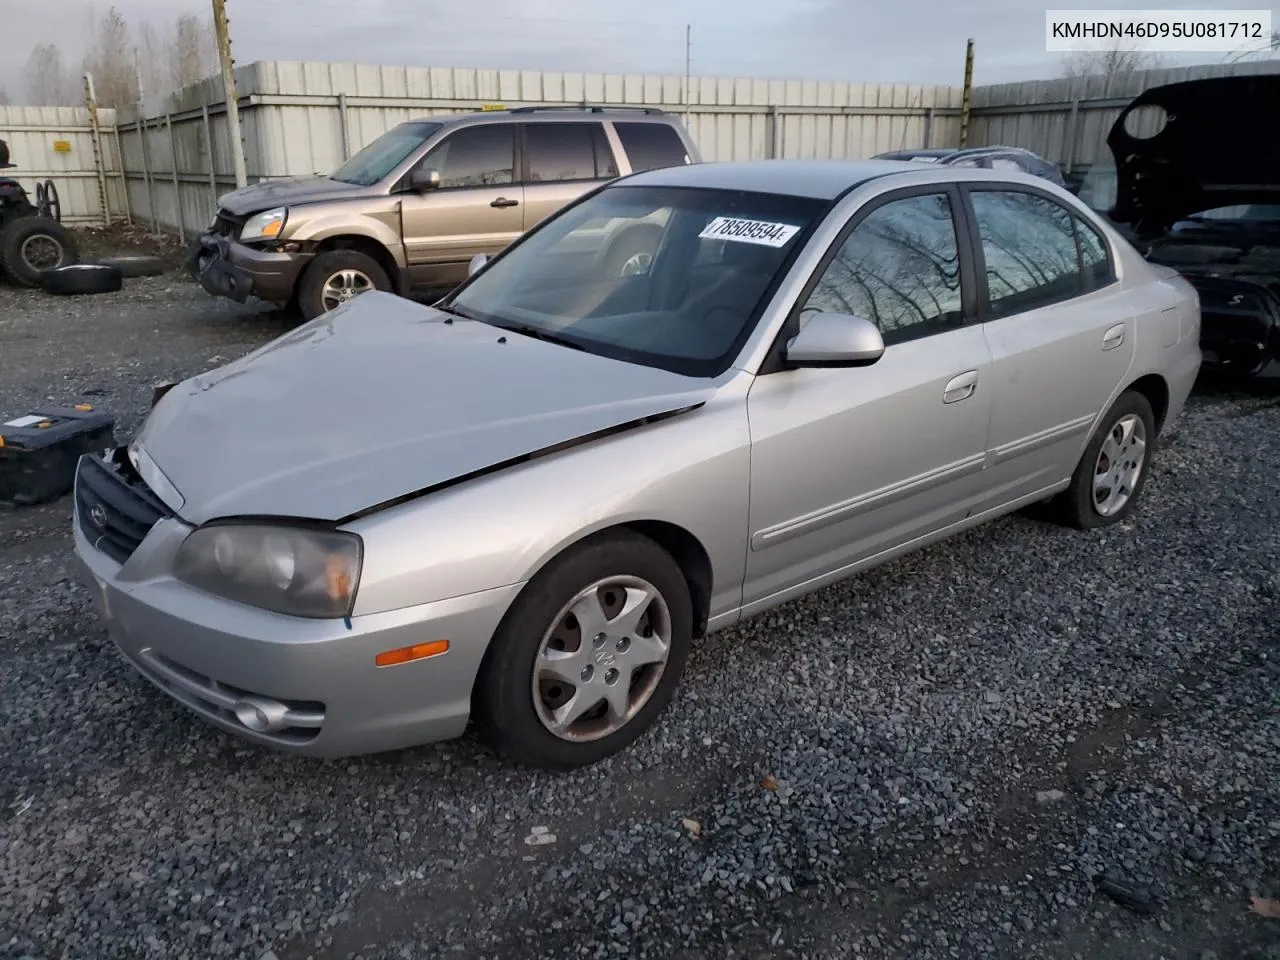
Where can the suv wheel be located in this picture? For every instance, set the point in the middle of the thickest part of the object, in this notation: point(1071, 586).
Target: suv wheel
point(337, 276)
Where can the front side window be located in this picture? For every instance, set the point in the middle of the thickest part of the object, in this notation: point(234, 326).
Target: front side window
point(559, 152)
point(480, 156)
point(1029, 246)
point(900, 268)
point(712, 258)
point(381, 156)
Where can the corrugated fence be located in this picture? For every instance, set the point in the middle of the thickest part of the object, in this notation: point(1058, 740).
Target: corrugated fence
point(56, 143)
point(301, 118)
point(1067, 120)
point(305, 117)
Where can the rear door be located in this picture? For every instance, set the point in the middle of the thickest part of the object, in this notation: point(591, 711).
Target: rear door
point(562, 161)
point(1060, 328)
point(478, 207)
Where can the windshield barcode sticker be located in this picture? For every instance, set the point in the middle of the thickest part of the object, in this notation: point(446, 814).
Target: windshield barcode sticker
point(749, 231)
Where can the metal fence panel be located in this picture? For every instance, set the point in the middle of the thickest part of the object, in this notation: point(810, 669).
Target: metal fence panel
point(33, 132)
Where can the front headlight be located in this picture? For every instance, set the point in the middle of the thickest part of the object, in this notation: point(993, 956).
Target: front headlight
point(264, 226)
point(291, 570)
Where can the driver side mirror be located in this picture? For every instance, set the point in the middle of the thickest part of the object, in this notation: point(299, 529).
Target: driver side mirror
point(835, 340)
point(477, 263)
point(421, 181)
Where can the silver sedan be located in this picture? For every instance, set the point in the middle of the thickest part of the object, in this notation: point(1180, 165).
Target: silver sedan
point(521, 506)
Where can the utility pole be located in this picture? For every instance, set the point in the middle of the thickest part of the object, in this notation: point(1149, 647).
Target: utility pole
point(688, 51)
point(966, 101)
point(229, 89)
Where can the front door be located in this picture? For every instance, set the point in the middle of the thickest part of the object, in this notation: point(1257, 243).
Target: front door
point(1061, 332)
point(849, 463)
point(478, 207)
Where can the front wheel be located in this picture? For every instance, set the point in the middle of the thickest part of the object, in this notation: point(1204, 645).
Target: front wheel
point(336, 276)
point(1113, 470)
point(589, 654)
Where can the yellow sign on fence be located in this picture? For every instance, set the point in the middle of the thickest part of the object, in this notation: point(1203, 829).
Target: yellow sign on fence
point(62, 146)
point(493, 106)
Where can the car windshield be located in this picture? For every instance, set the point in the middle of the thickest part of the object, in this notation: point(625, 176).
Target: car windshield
point(672, 277)
point(384, 154)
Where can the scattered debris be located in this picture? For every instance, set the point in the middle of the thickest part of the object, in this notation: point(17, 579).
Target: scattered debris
point(1049, 796)
point(1130, 896)
point(769, 783)
point(539, 837)
point(22, 806)
point(692, 826)
point(1266, 908)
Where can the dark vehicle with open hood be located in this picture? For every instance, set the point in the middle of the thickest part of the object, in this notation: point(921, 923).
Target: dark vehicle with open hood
point(1195, 186)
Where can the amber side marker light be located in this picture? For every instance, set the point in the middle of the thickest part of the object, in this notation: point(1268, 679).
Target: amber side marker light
point(419, 651)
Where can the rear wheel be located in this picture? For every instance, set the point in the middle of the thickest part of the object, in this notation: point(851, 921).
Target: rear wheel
point(1113, 470)
point(336, 276)
point(589, 654)
point(31, 245)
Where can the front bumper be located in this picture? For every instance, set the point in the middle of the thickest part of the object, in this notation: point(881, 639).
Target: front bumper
point(315, 679)
point(225, 268)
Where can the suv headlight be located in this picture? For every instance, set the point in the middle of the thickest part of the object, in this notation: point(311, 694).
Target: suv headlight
point(290, 570)
point(264, 226)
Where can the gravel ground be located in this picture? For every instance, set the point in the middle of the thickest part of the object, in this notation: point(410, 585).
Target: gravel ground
point(949, 757)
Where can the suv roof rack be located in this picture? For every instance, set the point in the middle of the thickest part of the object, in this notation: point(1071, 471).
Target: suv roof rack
point(590, 107)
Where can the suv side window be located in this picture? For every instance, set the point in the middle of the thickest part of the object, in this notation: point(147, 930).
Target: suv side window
point(650, 146)
point(560, 152)
point(1029, 247)
point(479, 156)
point(900, 267)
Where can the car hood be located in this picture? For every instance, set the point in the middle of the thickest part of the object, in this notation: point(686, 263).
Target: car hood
point(380, 399)
point(1213, 150)
point(284, 191)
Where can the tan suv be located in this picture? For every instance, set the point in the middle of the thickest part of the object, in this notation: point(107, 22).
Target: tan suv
point(411, 210)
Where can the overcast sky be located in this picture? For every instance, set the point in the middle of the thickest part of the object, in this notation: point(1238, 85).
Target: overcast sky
point(884, 40)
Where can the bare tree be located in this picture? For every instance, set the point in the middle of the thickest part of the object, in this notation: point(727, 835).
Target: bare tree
point(110, 60)
point(192, 51)
point(1113, 62)
point(1272, 49)
point(47, 80)
point(150, 55)
point(4, 97)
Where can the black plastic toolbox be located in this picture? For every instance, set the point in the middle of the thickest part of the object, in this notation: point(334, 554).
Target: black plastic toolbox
point(39, 451)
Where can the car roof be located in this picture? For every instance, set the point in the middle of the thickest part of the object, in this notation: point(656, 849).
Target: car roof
point(818, 179)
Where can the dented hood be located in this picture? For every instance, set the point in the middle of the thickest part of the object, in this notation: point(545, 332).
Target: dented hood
point(1219, 146)
point(283, 191)
point(378, 400)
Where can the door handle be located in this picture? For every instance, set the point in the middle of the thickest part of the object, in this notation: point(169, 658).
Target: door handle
point(504, 202)
point(1113, 337)
point(961, 387)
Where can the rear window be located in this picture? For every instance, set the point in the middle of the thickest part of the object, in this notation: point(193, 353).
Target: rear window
point(650, 146)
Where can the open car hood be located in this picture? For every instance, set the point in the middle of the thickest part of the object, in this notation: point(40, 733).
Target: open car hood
point(1215, 149)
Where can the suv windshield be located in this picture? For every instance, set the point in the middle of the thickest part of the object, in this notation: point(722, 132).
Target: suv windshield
point(671, 277)
point(384, 154)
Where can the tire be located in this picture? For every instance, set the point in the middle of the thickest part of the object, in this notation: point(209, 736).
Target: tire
point(82, 278)
point(139, 266)
point(514, 710)
point(625, 251)
point(1077, 505)
point(26, 245)
point(314, 286)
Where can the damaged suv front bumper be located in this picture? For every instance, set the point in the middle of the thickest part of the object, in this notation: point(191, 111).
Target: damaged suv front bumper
point(225, 268)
